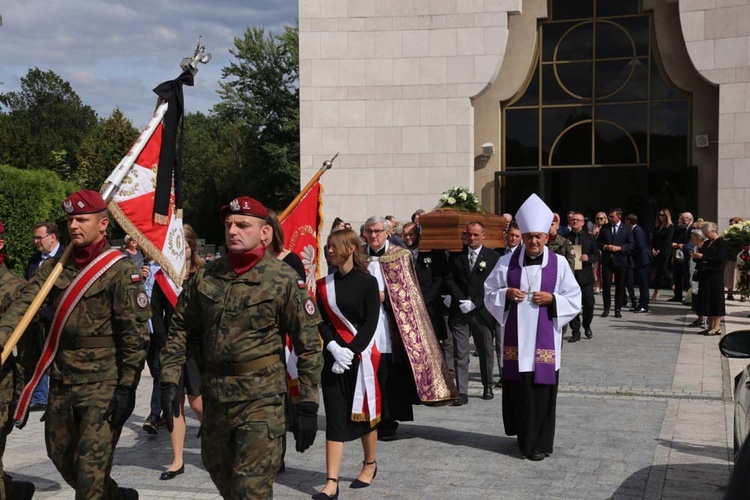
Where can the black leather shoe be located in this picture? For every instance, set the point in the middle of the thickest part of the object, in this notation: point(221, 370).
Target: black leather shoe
point(633, 306)
point(128, 493)
point(641, 310)
point(37, 407)
point(21, 490)
point(171, 474)
point(462, 400)
point(357, 484)
point(499, 384)
point(618, 314)
point(325, 496)
point(605, 313)
point(675, 299)
point(575, 338)
point(151, 425)
point(488, 394)
point(587, 331)
point(536, 456)
point(633, 309)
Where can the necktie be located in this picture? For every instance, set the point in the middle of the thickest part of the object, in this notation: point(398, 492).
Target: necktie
point(472, 259)
point(614, 229)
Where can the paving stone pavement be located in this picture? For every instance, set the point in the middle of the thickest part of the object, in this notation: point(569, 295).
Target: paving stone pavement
point(644, 412)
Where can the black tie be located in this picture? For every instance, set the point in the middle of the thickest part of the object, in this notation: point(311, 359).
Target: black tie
point(614, 229)
point(376, 253)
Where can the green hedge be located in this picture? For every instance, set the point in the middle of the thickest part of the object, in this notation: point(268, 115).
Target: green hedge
point(28, 197)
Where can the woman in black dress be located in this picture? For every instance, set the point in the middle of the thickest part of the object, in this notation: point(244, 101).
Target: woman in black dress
point(352, 293)
point(711, 259)
point(661, 247)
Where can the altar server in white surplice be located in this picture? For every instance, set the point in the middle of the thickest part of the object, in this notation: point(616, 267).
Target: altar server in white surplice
point(532, 293)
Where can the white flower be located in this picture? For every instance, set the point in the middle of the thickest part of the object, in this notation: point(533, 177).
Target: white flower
point(427, 261)
point(462, 195)
point(482, 265)
point(444, 197)
point(451, 200)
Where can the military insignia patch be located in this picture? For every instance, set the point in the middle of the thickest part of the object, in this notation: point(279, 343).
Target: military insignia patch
point(309, 307)
point(301, 284)
point(142, 300)
point(135, 278)
point(234, 205)
point(68, 206)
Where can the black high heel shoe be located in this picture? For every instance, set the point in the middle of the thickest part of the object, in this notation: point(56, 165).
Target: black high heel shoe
point(356, 484)
point(324, 496)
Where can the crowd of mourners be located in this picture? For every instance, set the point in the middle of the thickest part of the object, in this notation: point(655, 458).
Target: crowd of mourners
point(213, 343)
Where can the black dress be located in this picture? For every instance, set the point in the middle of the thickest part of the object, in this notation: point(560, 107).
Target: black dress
point(358, 299)
point(661, 240)
point(711, 282)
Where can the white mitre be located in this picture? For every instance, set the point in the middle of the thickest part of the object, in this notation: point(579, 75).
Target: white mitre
point(534, 216)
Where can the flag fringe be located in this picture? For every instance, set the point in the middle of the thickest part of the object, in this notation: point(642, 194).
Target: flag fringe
point(161, 219)
point(365, 417)
point(145, 243)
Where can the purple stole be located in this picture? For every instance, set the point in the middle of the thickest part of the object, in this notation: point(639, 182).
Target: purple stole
point(544, 355)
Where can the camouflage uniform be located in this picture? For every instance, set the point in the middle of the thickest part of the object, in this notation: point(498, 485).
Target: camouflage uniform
point(10, 385)
point(80, 442)
point(236, 326)
point(561, 246)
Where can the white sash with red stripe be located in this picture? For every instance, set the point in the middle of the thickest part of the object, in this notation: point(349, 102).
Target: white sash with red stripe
point(73, 294)
point(367, 400)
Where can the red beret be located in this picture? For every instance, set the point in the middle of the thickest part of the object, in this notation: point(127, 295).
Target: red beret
point(83, 202)
point(244, 205)
point(2, 228)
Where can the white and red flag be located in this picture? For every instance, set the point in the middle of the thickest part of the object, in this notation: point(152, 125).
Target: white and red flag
point(302, 232)
point(147, 201)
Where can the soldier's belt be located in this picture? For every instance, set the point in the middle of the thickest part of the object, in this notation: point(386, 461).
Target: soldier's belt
point(229, 369)
point(71, 343)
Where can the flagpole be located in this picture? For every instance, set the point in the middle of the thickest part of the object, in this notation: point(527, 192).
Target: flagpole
point(327, 165)
point(108, 191)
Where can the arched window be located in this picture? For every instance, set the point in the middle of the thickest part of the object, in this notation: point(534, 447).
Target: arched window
point(598, 95)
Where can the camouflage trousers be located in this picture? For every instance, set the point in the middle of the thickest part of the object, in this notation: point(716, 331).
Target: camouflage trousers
point(80, 442)
point(242, 445)
point(6, 425)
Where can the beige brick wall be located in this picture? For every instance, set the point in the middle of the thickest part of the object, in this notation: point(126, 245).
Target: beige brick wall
point(717, 34)
point(387, 83)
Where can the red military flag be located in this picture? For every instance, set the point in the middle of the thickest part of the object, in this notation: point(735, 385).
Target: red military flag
point(302, 233)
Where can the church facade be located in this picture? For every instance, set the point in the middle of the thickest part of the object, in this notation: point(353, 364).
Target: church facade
point(591, 104)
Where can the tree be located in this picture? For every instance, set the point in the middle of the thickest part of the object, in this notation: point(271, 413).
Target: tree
point(103, 149)
point(260, 96)
point(28, 197)
point(47, 119)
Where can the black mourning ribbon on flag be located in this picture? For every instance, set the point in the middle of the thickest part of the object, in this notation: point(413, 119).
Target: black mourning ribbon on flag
point(170, 160)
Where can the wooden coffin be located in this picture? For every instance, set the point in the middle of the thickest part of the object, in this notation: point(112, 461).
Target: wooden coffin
point(443, 229)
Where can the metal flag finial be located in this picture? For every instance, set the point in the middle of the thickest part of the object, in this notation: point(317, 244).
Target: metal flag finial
point(199, 56)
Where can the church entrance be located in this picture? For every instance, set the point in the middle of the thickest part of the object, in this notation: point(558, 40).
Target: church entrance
point(598, 123)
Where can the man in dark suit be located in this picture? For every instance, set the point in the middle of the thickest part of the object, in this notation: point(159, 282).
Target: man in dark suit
point(642, 259)
point(431, 267)
point(584, 276)
point(47, 241)
point(467, 271)
point(615, 242)
point(681, 266)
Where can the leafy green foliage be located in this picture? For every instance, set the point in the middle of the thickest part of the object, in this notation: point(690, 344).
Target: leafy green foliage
point(45, 125)
point(28, 197)
point(103, 149)
point(260, 96)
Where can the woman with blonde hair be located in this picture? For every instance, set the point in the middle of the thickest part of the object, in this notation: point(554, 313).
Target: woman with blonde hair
point(599, 220)
point(349, 303)
point(661, 247)
point(190, 379)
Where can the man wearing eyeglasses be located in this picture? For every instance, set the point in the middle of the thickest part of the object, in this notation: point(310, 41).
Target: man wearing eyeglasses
point(47, 242)
point(584, 276)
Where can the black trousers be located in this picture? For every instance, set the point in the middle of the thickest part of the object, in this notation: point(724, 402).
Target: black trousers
point(677, 278)
point(642, 274)
point(587, 310)
point(620, 275)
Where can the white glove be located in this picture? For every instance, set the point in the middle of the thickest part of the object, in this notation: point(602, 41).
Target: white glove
point(446, 300)
point(341, 354)
point(466, 306)
point(338, 368)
